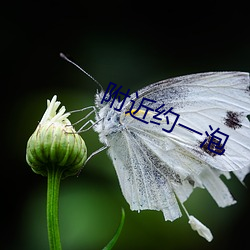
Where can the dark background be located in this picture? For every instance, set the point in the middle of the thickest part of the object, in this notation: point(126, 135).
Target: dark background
point(132, 44)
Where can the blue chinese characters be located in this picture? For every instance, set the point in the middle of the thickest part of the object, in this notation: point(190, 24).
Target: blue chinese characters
point(213, 144)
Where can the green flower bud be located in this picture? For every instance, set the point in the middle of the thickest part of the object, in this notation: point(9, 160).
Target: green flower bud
point(55, 144)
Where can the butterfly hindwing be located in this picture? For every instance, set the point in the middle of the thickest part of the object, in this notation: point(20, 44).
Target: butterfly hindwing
point(143, 185)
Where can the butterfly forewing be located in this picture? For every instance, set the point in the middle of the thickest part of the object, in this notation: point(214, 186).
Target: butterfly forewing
point(220, 100)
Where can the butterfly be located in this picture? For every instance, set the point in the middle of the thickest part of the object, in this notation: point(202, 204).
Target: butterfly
point(158, 169)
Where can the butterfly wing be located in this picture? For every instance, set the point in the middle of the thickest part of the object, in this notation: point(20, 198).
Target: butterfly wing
point(221, 100)
point(154, 166)
point(143, 186)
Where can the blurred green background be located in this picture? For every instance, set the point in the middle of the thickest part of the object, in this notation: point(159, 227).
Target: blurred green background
point(131, 44)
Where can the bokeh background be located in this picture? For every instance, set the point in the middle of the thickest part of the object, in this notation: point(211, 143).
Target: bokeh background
point(132, 44)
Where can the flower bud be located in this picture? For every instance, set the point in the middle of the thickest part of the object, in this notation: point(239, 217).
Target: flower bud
point(55, 144)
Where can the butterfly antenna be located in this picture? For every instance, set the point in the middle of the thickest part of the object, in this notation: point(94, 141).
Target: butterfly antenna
point(68, 60)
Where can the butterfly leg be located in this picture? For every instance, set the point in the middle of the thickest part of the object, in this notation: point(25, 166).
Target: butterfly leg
point(86, 116)
point(81, 129)
point(94, 153)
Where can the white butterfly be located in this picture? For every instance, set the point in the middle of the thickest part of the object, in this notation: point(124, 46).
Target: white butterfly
point(156, 168)
point(159, 170)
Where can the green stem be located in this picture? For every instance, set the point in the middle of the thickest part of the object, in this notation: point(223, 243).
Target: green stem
point(54, 177)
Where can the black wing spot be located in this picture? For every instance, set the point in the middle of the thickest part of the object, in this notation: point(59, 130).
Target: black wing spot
point(207, 149)
point(232, 119)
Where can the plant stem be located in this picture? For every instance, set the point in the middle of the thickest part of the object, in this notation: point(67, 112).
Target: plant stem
point(54, 177)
